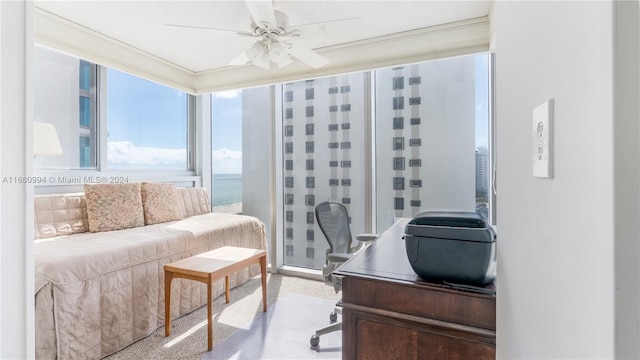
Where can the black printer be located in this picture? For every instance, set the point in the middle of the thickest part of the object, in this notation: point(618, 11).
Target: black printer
point(452, 246)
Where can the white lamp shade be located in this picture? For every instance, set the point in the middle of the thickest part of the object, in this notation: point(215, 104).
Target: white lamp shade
point(45, 140)
point(255, 50)
point(276, 51)
point(262, 60)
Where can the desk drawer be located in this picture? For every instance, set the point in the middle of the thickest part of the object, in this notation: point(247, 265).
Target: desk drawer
point(422, 301)
point(370, 336)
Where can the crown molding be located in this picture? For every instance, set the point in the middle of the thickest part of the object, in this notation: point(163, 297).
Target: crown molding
point(61, 34)
point(446, 40)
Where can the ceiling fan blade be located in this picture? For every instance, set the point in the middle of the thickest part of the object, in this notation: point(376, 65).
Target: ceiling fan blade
point(238, 32)
point(329, 28)
point(307, 56)
point(262, 12)
point(241, 59)
point(284, 62)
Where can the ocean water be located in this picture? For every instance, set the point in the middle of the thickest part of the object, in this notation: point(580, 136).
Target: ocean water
point(226, 189)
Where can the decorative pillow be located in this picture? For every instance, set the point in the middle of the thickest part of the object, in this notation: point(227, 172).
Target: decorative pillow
point(160, 203)
point(56, 215)
point(194, 201)
point(113, 206)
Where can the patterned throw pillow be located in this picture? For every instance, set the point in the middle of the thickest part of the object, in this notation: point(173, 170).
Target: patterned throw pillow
point(113, 206)
point(160, 203)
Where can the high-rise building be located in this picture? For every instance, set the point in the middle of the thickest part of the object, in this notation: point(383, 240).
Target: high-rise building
point(482, 171)
point(423, 151)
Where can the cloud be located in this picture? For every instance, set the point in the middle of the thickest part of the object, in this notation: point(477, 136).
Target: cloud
point(479, 108)
point(226, 154)
point(124, 154)
point(225, 161)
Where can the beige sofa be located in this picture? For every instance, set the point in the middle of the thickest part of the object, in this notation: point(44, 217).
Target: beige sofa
point(97, 292)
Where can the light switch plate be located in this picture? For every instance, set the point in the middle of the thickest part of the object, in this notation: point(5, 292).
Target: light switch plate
point(542, 136)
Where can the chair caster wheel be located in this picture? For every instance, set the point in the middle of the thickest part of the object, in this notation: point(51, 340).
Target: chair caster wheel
point(315, 341)
point(333, 317)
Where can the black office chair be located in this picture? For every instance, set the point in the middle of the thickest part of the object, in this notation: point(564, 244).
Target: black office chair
point(333, 220)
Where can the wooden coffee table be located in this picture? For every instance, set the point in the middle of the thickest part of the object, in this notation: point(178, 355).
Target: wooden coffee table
point(207, 268)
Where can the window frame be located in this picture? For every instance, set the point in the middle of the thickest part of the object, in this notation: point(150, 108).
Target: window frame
point(187, 177)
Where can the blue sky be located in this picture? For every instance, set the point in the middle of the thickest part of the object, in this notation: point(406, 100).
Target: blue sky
point(145, 113)
point(226, 129)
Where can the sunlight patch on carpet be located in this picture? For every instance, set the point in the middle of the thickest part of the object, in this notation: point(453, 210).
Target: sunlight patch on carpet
point(187, 333)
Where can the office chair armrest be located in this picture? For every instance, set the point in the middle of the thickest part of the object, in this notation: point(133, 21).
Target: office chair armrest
point(338, 257)
point(366, 237)
point(363, 239)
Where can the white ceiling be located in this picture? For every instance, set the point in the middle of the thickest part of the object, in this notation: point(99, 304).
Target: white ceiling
point(141, 28)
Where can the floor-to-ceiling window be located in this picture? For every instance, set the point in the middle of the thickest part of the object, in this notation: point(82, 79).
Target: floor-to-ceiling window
point(241, 123)
point(482, 137)
point(324, 143)
point(427, 136)
point(226, 154)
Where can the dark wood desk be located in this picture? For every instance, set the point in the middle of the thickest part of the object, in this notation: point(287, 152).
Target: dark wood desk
point(390, 313)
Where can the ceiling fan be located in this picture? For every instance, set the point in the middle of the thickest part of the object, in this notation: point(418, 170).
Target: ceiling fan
point(275, 45)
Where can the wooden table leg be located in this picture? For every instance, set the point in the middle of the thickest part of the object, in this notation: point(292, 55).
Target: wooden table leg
point(263, 274)
point(168, 276)
point(226, 288)
point(210, 314)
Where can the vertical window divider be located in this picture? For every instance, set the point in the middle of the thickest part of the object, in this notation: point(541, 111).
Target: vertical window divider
point(200, 141)
point(276, 158)
point(192, 155)
point(493, 191)
point(103, 135)
point(369, 143)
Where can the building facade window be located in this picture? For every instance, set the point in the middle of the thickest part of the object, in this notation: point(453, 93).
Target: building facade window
point(85, 152)
point(85, 112)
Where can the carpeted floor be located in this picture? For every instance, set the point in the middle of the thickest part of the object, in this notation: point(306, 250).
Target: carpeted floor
point(188, 338)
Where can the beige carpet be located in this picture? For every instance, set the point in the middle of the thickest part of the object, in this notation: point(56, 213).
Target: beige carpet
point(188, 338)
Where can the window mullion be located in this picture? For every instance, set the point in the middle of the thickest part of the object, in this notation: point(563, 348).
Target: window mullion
point(102, 135)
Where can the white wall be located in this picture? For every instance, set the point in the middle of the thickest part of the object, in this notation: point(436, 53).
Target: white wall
point(16, 264)
point(556, 238)
point(56, 94)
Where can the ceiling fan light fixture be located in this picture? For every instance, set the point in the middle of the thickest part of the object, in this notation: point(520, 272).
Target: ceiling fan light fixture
point(275, 46)
point(262, 60)
point(255, 50)
point(277, 52)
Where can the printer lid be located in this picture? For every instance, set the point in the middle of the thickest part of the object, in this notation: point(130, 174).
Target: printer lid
point(454, 225)
point(449, 219)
